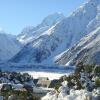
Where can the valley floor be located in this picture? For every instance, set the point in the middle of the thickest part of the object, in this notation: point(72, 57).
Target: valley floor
point(36, 71)
point(50, 75)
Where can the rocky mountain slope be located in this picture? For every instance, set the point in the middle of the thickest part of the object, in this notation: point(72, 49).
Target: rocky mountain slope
point(87, 50)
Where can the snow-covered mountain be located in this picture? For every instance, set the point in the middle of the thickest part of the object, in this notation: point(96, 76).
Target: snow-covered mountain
point(9, 46)
point(60, 36)
point(87, 50)
point(31, 33)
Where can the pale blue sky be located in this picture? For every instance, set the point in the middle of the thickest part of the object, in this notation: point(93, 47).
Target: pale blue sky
point(16, 14)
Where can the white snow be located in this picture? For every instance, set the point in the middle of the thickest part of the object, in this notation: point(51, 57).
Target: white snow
point(41, 89)
point(31, 33)
point(74, 95)
point(50, 75)
point(17, 86)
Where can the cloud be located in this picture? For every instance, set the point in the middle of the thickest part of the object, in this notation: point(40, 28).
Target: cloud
point(1, 29)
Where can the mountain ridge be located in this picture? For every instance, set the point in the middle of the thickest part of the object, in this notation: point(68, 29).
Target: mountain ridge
point(60, 36)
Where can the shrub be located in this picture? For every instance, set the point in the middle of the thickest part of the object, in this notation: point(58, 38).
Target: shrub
point(88, 68)
point(97, 82)
point(20, 95)
point(79, 67)
point(57, 86)
point(97, 70)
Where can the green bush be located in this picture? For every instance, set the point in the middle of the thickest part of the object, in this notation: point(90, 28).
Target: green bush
point(79, 67)
point(97, 70)
point(97, 82)
point(19, 95)
point(57, 86)
point(88, 68)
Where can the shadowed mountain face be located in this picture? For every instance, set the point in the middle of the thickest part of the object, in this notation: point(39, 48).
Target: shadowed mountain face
point(9, 46)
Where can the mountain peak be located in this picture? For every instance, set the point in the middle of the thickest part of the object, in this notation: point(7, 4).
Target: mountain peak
point(52, 19)
point(27, 29)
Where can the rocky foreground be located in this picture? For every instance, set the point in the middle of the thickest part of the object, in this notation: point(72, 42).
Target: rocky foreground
point(16, 86)
point(84, 84)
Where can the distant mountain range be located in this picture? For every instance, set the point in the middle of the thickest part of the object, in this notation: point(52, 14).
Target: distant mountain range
point(9, 46)
point(59, 39)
